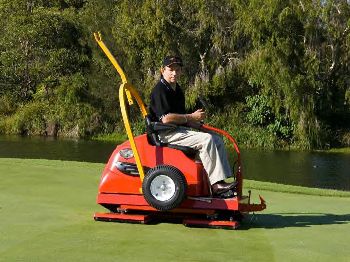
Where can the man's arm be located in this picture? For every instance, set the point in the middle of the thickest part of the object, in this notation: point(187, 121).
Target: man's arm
point(192, 120)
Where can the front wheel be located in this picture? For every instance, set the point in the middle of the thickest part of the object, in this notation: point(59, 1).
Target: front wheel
point(164, 187)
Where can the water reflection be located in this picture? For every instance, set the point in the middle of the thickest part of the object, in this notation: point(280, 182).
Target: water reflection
point(53, 148)
point(312, 169)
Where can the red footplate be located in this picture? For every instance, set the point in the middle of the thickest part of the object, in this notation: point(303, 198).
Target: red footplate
point(211, 223)
point(119, 217)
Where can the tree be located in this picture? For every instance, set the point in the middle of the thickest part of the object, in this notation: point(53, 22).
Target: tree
point(40, 52)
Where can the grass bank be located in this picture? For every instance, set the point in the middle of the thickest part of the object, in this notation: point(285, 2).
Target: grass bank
point(46, 210)
point(345, 150)
point(258, 185)
point(114, 137)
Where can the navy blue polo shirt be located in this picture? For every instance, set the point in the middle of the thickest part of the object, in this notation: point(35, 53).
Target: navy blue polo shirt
point(165, 100)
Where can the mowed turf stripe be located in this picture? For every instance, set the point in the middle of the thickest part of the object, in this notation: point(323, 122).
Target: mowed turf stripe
point(46, 210)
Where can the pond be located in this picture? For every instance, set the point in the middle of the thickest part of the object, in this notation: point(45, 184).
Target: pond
point(311, 169)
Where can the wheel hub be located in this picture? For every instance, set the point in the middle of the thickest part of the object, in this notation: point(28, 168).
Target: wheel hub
point(162, 188)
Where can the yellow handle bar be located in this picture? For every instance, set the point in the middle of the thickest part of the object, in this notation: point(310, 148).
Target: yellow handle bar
point(130, 92)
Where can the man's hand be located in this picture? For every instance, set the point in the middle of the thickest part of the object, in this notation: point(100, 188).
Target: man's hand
point(197, 116)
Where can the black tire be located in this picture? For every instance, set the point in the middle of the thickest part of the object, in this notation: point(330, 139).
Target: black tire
point(164, 187)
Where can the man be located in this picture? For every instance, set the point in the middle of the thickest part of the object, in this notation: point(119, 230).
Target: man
point(168, 106)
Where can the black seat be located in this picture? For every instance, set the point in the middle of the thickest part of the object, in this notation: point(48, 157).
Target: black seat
point(152, 129)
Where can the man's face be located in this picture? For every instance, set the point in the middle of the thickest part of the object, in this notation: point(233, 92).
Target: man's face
point(171, 73)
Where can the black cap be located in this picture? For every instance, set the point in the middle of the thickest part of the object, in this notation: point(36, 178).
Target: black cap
point(171, 60)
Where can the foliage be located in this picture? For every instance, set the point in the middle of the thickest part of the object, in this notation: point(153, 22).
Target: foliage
point(261, 114)
point(279, 68)
point(43, 65)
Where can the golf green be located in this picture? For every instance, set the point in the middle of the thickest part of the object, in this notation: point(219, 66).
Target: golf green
point(46, 211)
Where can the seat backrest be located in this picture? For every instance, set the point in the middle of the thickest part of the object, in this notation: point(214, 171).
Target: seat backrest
point(152, 135)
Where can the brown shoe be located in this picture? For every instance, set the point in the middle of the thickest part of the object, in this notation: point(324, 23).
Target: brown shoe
point(222, 187)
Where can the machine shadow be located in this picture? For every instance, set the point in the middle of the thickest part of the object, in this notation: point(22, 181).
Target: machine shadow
point(285, 220)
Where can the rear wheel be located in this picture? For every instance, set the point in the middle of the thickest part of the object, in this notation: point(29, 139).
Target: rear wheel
point(164, 187)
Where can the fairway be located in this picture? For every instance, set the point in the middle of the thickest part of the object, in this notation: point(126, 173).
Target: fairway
point(46, 211)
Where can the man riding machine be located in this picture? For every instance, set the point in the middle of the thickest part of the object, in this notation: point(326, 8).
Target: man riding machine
point(148, 179)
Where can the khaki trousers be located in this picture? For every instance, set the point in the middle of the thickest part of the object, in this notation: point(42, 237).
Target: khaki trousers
point(210, 146)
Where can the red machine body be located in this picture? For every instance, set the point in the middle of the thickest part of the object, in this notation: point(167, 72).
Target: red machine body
point(120, 190)
point(115, 181)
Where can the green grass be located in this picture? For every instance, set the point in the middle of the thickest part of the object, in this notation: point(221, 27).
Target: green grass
point(258, 185)
point(114, 137)
point(46, 211)
point(345, 150)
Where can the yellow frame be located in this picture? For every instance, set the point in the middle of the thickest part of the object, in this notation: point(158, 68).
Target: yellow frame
point(125, 90)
